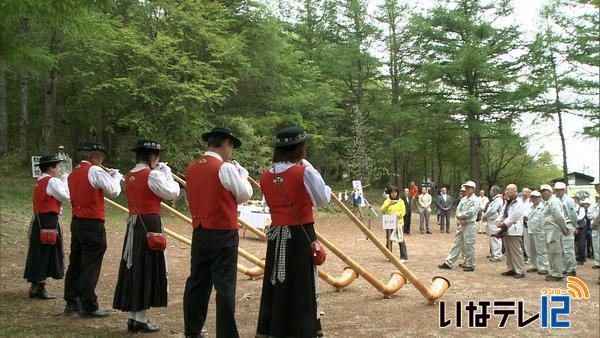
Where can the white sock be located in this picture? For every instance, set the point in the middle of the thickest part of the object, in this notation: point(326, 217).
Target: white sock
point(140, 316)
point(132, 315)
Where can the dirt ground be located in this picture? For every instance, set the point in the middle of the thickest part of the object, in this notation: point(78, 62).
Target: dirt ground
point(358, 311)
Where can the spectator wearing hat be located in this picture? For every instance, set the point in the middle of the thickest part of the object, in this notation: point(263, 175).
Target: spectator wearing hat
point(444, 204)
point(511, 221)
point(289, 302)
point(491, 216)
point(215, 186)
point(538, 257)
point(568, 240)
point(554, 226)
point(87, 185)
point(142, 281)
point(44, 259)
point(464, 241)
point(63, 165)
point(583, 226)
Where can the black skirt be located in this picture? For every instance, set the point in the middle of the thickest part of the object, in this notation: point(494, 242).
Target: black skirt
point(44, 260)
point(291, 308)
point(144, 284)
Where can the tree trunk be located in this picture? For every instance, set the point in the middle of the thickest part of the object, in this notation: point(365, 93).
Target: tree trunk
point(557, 106)
point(49, 125)
point(100, 125)
point(3, 112)
point(475, 143)
point(24, 121)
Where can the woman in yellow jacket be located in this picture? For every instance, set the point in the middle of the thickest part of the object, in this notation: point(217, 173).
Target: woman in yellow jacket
point(393, 205)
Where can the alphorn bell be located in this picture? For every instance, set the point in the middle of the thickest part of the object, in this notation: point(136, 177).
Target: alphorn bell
point(348, 275)
point(439, 285)
point(396, 282)
point(250, 272)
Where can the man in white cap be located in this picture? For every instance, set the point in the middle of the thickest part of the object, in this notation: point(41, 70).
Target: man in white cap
point(538, 254)
point(511, 218)
point(65, 164)
point(568, 240)
point(491, 216)
point(464, 241)
point(554, 227)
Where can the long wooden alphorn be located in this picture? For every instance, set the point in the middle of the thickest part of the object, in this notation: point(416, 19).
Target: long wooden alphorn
point(250, 272)
point(396, 282)
point(346, 278)
point(439, 284)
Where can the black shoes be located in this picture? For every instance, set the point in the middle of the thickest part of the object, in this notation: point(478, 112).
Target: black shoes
point(551, 278)
point(429, 232)
point(144, 327)
point(542, 272)
point(38, 290)
point(445, 266)
point(532, 270)
point(519, 275)
point(71, 309)
point(468, 269)
point(130, 324)
point(570, 273)
point(94, 314)
point(508, 273)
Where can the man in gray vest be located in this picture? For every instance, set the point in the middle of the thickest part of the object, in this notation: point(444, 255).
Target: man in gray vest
point(554, 226)
point(538, 254)
point(511, 218)
point(491, 216)
point(568, 240)
point(464, 241)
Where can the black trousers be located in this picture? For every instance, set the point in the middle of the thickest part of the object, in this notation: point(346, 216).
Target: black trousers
point(445, 219)
point(214, 262)
point(88, 244)
point(580, 243)
point(406, 226)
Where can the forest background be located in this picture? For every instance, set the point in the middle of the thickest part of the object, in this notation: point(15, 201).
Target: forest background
point(391, 93)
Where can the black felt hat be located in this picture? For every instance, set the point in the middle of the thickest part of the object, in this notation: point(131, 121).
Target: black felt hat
point(91, 146)
point(223, 131)
point(148, 145)
point(49, 159)
point(290, 136)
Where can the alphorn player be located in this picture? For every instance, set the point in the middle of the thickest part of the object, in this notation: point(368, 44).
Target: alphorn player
point(289, 303)
point(88, 183)
point(215, 187)
point(142, 281)
point(44, 258)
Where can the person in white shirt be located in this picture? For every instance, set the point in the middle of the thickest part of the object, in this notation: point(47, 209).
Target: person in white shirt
point(526, 199)
point(568, 239)
point(142, 282)
point(44, 258)
point(538, 252)
point(511, 219)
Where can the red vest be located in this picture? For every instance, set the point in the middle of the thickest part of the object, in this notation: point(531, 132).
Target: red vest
point(293, 185)
point(42, 202)
point(211, 205)
point(145, 200)
point(87, 201)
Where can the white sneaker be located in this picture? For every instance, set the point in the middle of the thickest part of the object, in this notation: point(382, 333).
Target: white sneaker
point(404, 260)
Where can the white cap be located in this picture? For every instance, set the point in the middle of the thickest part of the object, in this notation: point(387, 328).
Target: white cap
point(545, 187)
point(560, 185)
point(536, 193)
point(462, 188)
point(61, 147)
point(469, 184)
point(586, 201)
